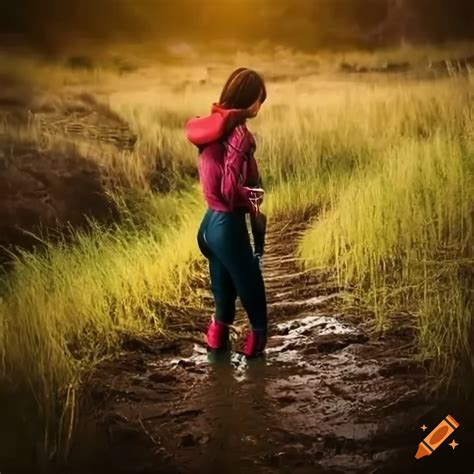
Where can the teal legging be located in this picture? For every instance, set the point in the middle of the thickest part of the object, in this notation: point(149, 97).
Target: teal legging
point(224, 240)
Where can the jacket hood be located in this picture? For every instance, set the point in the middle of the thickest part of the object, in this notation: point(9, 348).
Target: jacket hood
point(207, 129)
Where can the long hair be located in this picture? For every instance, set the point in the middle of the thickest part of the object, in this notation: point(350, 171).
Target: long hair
point(242, 89)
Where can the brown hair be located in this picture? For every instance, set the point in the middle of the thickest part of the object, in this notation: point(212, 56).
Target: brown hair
point(242, 89)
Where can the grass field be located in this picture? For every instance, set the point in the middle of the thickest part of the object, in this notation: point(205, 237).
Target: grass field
point(385, 165)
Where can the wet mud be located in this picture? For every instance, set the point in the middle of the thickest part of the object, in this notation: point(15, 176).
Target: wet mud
point(331, 396)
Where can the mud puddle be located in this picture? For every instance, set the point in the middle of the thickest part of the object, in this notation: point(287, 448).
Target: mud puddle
point(293, 339)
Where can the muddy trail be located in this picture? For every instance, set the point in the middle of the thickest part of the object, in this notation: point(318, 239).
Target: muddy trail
point(331, 396)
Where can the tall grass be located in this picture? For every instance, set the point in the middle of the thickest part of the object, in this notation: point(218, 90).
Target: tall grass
point(62, 311)
point(399, 232)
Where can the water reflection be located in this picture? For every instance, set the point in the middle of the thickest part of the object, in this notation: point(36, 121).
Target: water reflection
point(237, 412)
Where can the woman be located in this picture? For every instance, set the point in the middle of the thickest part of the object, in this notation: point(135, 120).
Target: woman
point(229, 178)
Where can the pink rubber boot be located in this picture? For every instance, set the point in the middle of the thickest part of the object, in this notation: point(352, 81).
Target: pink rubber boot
point(217, 337)
point(255, 344)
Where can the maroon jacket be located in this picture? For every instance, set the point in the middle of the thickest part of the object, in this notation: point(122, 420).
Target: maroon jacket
point(226, 158)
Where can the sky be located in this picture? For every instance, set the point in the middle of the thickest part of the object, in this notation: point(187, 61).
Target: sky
point(56, 25)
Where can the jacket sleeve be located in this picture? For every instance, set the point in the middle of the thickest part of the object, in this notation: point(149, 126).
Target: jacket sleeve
point(239, 147)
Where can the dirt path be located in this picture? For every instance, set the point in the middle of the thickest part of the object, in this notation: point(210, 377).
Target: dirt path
point(331, 396)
